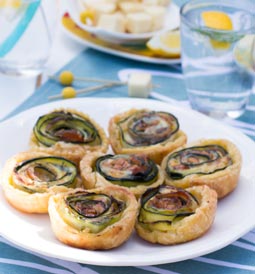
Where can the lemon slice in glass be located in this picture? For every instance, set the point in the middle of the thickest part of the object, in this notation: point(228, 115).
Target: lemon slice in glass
point(217, 20)
point(166, 44)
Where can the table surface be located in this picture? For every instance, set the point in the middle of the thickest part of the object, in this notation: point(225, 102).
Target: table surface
point(239, 257)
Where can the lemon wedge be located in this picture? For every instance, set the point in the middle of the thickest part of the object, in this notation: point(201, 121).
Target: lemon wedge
point(220, 21)
point(166, 44)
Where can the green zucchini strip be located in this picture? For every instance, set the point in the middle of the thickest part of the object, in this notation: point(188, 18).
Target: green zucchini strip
point(91, 211)
point(65, 127)
point(162, 206)
point(145, 128)
point(197, 160)
point(39, 174)
point(127, 170)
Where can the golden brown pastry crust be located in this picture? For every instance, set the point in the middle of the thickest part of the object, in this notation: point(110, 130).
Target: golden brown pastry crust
point(110, 237)
point(21, 200)
point(73, 152)
point(93, 179)
point(190, 227)
point(223, 181)
point(155, 152)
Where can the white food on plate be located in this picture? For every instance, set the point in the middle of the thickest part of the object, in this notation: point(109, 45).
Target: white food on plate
point(157, 14)
point(139, 16)
point(156, 2)
point(129, 7)
point(112, 22)
point(139, 22)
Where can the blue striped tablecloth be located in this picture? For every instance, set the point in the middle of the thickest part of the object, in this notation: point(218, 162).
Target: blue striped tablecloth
point(237, 258)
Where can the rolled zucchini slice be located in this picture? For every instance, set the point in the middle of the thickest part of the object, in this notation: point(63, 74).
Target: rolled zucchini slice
point(135, 172)
point(162, 206)
point(212, 162)
point(101, 218)
point(127, 170)
point(66, 127)
point(68, 133)
point(170, 215)
point(145, 128)
point(37, 175)
point(145, 131)
point(92, 212)
point(197, 160)
point(30, 178)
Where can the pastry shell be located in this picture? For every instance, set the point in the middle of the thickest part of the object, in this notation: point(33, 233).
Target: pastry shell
point(190, 227)
point(222, 181)
point(112, 236)
point(93, 179)
point(71, 151)
point(155, 152)
point(22, 200)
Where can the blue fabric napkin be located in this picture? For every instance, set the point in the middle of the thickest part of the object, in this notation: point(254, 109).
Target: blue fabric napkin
point(91, 63)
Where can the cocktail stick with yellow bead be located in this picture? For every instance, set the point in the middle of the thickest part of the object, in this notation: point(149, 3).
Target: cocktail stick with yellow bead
point(70, 92)
point(139, 84)
point(66, 78)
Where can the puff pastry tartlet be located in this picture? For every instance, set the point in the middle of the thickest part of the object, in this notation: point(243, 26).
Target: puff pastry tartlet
point(213, 162)
point(30, 178)
point(170, 215)
point(101, 218)
point(68, 133)
point(153, 133)
point(133, 171)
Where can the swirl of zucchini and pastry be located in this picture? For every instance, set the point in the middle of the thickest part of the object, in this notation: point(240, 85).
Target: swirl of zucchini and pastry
point(153, 133)
point(133, 171)
point(68, 133)
point(95, 219)
point(170, 215)
point(30, 178)
point(212, 162)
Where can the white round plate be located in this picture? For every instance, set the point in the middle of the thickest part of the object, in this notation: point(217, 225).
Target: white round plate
point(172, 21)
point(115, 52)
point(234, 215)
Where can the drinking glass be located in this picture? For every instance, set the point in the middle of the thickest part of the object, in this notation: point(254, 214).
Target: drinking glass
point(26, 34)
point(215, 84)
